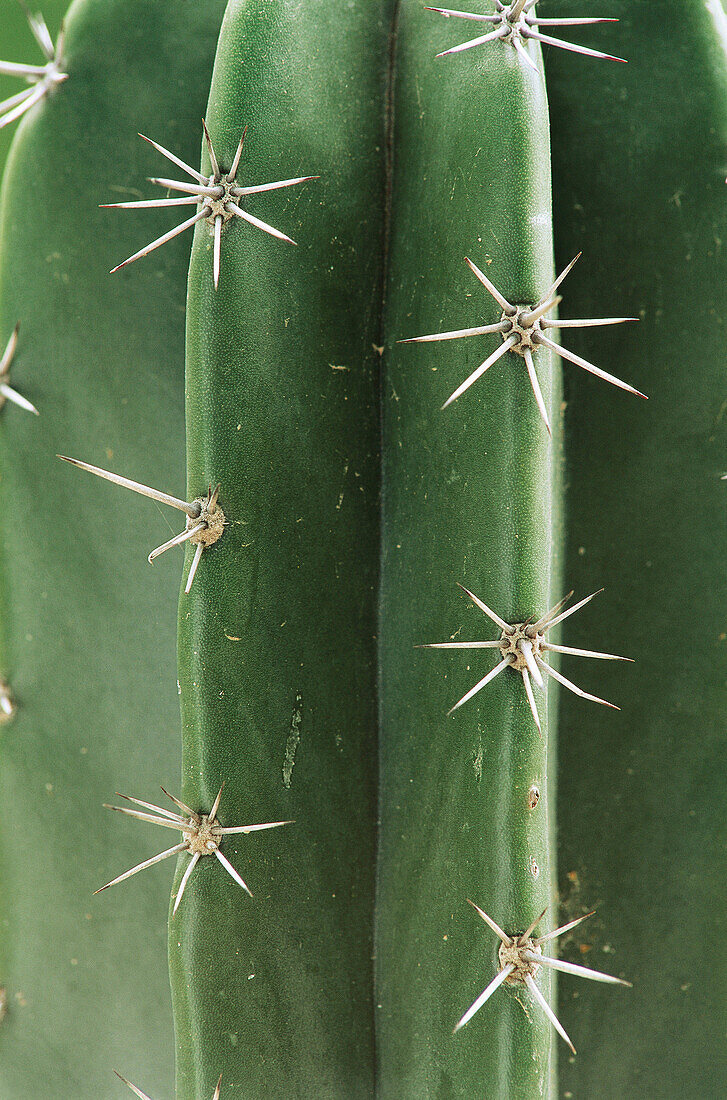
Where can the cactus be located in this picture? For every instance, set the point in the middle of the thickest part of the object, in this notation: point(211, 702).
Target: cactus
point(472, 495)
point(277, 653)
point(373, 418)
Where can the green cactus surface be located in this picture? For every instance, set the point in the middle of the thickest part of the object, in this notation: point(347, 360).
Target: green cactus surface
point(471, 496)
point(398, 462)
point(640, 154)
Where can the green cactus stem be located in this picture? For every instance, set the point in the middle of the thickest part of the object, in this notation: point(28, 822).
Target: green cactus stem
point(277, 647)
point(375, 432)
point(471, 496)
point(452, 508)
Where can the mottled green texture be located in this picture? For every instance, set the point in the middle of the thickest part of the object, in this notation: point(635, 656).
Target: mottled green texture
point(276, 992)
point(88, 626)
point(640, 153)
point(470, 496)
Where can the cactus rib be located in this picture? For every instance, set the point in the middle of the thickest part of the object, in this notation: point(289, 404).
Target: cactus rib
point(638, 174)
point(277, 647)
point(476, 495)
point(88, 634)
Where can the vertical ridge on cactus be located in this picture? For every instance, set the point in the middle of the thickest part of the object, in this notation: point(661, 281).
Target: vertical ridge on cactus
point(474, 494)
point(277, 642)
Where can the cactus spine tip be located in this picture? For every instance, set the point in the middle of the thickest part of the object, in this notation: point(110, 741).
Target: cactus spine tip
point(8, 707)
point(143, 1095)
point(7, 393)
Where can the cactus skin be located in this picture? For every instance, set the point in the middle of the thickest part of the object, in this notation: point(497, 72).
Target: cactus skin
point(471, 494)
point(641, 807)
point(277, 637)
point(309, 1033)
point(88, 628)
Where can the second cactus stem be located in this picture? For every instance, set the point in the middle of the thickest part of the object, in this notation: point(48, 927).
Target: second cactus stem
point(471, 497)
point(277, 637)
